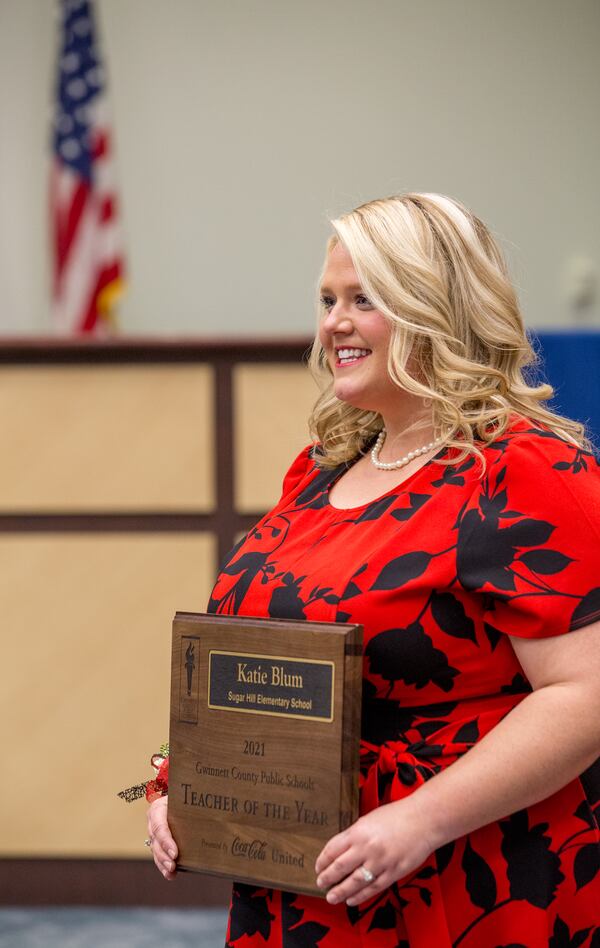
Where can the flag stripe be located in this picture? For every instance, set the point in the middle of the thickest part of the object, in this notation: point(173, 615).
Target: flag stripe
point(68, 219)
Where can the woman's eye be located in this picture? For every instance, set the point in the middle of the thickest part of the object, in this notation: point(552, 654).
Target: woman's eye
point(327, 301)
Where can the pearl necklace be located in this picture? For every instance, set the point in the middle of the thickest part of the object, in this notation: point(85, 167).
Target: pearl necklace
point(393, 465)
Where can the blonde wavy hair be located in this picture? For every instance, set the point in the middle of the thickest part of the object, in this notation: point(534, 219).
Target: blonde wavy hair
point(434, 270)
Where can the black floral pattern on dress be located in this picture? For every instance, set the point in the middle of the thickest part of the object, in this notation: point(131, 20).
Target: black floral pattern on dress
point(441, 572)
point(249, 913)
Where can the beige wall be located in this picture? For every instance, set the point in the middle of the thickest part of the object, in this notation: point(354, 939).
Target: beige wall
point(93, 438)
point(86, 616)
point(84, 681)
point(271, 407)
point(242, 127)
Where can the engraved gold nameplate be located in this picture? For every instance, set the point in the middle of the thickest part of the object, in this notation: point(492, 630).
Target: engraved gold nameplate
point(265, 719)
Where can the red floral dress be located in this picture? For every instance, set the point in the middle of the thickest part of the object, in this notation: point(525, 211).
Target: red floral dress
point(440, 570)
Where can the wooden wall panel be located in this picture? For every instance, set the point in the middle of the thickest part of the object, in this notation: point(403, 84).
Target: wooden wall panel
point(106, 437)
point(272, 403)
point(84, 681)
point(111, 515)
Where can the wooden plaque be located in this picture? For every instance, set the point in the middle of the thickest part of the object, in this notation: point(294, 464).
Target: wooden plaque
point(264, 735)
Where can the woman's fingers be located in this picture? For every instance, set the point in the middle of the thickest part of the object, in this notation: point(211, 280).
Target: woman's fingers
point(355, 888)
point(381, 847)
point(161, 837)
point(339, 869)
point(334, 848)
point(158, 826)
point(163, 860)
point(163, 846)
point(348, 879)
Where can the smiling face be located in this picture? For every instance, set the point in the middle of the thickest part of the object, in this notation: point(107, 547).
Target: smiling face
point(355, 337)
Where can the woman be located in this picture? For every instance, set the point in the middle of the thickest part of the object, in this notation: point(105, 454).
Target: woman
point(457, 518)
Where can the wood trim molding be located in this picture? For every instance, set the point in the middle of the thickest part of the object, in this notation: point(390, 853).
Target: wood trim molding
point(138, 522)
point(113, 882)
point(141, 349)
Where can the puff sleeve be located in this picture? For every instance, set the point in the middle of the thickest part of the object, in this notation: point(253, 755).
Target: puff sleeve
point(529, 539)
point(297, 470)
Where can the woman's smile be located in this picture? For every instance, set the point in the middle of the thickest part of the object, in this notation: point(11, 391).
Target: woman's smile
point(348, 356)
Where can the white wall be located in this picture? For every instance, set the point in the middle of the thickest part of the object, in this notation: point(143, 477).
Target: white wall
point(242, 125)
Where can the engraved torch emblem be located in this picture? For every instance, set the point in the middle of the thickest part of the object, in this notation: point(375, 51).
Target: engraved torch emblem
point(190, 664)
point(189, 679)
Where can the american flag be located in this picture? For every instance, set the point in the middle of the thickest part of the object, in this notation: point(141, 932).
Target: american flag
point(88, 261)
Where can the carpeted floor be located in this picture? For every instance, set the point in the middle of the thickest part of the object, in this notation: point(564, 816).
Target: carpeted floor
point(117, 928)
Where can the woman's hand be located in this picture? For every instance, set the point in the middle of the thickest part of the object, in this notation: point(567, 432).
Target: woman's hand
point(164, 847)
point(388, 842)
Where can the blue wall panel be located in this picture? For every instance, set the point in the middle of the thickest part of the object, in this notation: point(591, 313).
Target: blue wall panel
point(571, 364)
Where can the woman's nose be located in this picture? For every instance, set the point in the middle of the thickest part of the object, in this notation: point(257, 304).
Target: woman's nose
point(337, 320)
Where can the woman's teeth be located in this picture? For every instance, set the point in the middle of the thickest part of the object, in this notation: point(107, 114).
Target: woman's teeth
point(349, 355)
